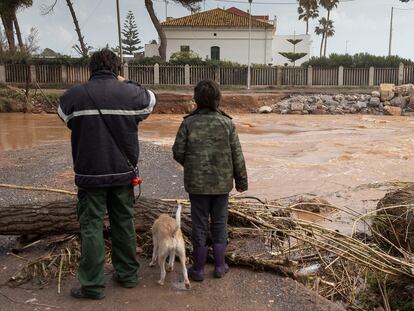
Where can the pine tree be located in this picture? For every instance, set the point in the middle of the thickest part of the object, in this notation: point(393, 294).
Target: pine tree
point(130, 41)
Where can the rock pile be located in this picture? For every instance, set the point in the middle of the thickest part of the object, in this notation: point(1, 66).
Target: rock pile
point(388, 100)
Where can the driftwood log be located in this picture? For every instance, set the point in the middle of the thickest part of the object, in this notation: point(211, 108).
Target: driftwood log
point(60, 217)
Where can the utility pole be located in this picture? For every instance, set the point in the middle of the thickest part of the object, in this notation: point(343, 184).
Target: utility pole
point(248, 48)
point(119, 32)
point(166, 9)
point(391, 24)
point(346, 46)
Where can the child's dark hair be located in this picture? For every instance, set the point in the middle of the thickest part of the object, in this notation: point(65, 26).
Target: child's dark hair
point(105, 60)
point(207, 94)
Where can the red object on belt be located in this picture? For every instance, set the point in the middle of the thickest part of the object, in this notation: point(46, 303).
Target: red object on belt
point(136, 181)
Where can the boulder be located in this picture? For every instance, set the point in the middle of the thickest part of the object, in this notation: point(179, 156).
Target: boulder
point(265, 109)
point(404, 90)
point(325, 98)
point(411, 102)
point(375, 94)
point(374, 102)
point(361, 105)
point(386, 87)
point(387, 95)
point(296, 106)
point(338, 97)
point(392, 111)
point(319, 104)
point(398, 101)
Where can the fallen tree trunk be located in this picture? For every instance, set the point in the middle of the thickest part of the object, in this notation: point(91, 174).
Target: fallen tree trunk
point(60, 217)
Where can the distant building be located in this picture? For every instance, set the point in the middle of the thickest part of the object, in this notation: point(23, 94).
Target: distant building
point(49, 53)
point(223, 35)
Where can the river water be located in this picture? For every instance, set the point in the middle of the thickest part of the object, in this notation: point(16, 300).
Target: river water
point(349, 160)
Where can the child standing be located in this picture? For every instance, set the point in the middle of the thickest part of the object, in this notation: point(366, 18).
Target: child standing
point(208, 147)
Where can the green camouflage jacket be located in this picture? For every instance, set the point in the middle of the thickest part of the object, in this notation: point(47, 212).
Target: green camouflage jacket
point(208, 147)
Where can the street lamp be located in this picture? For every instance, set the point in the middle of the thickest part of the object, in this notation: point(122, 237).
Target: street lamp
point(248, 48)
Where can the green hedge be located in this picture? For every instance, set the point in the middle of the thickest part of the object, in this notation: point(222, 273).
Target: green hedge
point(23, 58)
point(358, 61)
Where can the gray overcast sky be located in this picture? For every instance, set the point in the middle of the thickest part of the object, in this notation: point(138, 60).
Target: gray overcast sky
point(364, 23)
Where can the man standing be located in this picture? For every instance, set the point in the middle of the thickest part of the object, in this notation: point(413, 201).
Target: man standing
point(103, 115)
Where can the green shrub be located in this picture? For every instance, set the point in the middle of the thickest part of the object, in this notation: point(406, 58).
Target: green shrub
point(361, 60)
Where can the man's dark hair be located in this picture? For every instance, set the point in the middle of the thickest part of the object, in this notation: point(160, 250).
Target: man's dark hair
point(105, 60)
point(207, 94)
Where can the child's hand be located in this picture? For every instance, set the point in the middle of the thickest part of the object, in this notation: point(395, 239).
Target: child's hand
point(121, 78)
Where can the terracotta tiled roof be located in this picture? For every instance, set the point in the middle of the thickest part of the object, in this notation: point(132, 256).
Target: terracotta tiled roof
point(216, 18)
point(243, 13)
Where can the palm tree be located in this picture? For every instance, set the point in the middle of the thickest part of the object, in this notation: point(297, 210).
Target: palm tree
point(329, 5)
point(326, 29)
point(308, 9)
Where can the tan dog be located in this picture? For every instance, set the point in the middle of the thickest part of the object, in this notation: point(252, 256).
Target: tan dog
point(168, 240)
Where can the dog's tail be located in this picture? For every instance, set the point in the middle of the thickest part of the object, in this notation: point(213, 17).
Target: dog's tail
point(178, 218)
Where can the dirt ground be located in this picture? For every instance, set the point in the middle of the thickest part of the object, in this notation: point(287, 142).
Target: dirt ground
point(241, 289)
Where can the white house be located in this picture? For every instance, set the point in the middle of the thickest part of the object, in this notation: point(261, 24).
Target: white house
point(224, 35)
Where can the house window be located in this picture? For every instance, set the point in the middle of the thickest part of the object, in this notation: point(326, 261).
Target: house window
point(185, 48)
point(215, 53)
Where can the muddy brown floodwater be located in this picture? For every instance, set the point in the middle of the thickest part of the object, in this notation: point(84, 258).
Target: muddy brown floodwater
point(350, 160)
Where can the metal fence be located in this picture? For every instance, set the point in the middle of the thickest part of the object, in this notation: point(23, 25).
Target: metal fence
point(325, 76)
point(49, 74)
point(141, 73)
point(356, 76)
point(17, 73)
point(63, 75)
point(408, 75)
point(386, 75)
point(294, 76)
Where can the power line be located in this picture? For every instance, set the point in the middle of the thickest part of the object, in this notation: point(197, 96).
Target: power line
point(269, 3)
point(404, 9)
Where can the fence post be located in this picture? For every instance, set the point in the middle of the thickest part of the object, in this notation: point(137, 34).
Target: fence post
point(2, 74)
point(156, 74)
point(279, 75)
point(217, 74)
point(33, 74)
point(187, 74)
point(341, 76)
point(401, 74)
point(371, 76)
point(64, 70)
point(310, 76)
point(125, 71)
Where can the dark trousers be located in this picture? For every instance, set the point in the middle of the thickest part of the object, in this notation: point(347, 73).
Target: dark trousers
point(92, 204)
point(202, 207)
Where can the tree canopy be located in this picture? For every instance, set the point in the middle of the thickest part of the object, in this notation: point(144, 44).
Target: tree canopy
point(130, 41)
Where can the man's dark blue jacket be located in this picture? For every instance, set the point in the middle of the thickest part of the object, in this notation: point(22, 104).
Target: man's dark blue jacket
point(98, 162)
